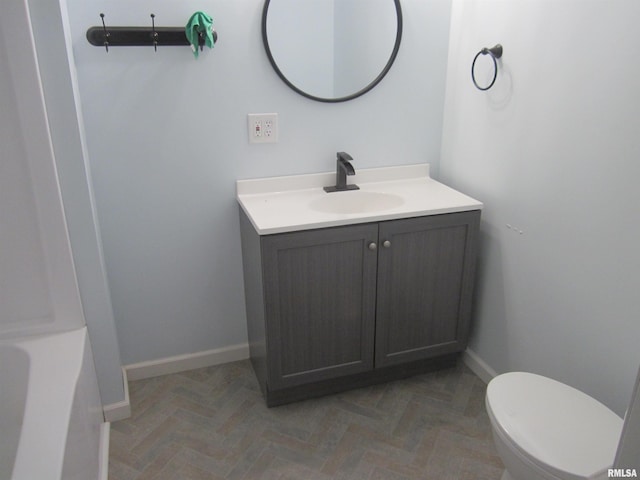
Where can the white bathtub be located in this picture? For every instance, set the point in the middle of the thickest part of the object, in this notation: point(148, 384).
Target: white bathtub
point(51, 423)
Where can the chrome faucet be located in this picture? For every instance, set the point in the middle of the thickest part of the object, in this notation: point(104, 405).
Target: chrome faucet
point(343, 168)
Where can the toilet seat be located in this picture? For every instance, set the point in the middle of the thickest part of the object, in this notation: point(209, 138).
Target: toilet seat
point(558, 428)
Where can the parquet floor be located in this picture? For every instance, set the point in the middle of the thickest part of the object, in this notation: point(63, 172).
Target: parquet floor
point(212, 424)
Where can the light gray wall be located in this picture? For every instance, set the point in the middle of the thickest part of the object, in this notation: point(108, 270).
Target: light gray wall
point(167, 140)
point(50, 27)
point(553, 152)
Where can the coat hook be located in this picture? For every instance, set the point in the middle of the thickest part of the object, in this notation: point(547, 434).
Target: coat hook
point(154, 34)
point(106, 33)
point(122, 36)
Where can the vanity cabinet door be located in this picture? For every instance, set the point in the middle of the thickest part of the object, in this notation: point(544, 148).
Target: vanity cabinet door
point(320, 288)
point(425, 282)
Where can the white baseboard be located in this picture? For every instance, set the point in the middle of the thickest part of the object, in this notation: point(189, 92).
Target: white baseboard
point(119, 410)
point(478, 366)
point(190, 361)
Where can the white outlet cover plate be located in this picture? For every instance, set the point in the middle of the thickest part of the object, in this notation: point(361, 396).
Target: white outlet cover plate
point(262, 127)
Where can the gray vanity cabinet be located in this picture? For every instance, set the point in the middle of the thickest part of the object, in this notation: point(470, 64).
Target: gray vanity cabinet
point(425, 284)
point(334, 308)
point(320, 303)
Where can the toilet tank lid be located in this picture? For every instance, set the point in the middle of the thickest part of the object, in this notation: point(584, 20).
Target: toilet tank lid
point(557, 426)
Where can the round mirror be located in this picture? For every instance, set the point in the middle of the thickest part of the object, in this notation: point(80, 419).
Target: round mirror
point(331, 50)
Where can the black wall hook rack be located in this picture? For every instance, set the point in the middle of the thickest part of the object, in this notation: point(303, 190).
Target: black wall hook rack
point(103, 36)
point(495, 52)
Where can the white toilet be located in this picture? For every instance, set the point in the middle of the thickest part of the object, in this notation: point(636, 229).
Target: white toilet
point(546, 430)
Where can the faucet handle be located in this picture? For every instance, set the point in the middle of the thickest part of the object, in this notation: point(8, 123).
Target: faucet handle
point(344, 157)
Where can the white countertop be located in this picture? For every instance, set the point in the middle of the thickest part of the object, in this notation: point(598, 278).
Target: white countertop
point(284, 204)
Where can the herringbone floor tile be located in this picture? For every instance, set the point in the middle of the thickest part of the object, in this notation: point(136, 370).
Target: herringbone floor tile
point(212, 423)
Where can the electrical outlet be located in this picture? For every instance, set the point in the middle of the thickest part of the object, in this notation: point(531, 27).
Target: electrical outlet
point(263, 127)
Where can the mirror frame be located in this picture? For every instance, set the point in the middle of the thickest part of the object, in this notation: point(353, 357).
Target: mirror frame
point(364, 90)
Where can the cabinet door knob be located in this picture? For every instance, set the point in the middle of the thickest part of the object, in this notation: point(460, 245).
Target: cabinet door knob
point(386, 244)
point(372, 246)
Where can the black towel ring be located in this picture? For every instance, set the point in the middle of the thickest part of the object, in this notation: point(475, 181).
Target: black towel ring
point(495, 52)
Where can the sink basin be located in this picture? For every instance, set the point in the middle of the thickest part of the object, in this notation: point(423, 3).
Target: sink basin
point(355, 201)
